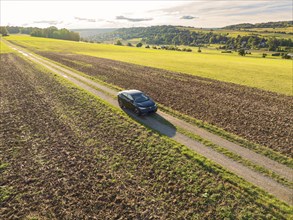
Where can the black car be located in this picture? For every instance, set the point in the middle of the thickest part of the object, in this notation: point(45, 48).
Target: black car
point(136, 101)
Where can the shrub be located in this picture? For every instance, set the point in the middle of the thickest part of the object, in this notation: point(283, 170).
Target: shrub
point(119, 43)
point(241, 52)
point(147, 46)
point(139, 44)
point(286, 56)
point(276, 54)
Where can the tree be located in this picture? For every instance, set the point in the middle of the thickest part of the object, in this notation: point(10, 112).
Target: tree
point(53, 32)
point(13, 29)
point(273, 44)
point(119, 43)
point(129, 44)
point(139, 44)
point(286, 56)
point(176, 40)
point(3, 31)
point(241, 52)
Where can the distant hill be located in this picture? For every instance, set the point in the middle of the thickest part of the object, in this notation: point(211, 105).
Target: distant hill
point(179, 35)
point(160, 35)
point(85, 33)
point(278, 24)
point(168, 34)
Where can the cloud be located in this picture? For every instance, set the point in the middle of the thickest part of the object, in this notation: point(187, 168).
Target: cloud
point(51, 22)
point(133, 19)
point(85, 19)
point(226, 8)
point(188, 17)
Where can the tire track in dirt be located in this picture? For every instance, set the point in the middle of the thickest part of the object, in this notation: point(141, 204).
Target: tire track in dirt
point(269, 185)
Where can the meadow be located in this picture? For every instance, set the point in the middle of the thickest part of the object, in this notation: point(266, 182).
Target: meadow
point(254, 71)
point(4, 48)
point(67, 154)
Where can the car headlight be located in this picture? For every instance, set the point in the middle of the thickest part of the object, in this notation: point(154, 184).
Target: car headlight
point(142, 108)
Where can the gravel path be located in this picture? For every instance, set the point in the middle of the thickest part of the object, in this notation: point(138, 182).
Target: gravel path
point(105, 93)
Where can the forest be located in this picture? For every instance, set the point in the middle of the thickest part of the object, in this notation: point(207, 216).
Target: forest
point(50, 32)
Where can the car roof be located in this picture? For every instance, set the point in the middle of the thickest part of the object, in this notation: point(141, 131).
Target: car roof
point(131, 91)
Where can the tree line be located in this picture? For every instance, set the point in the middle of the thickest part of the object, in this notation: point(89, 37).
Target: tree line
point(255, 42)
point(278, 24)
point(50, 32)
point(173, 35)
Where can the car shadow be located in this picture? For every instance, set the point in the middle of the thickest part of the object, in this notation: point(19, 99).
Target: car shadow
point(154, 121)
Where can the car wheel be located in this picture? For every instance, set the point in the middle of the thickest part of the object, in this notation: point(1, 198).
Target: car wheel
point(137, 111)
point(121, 104)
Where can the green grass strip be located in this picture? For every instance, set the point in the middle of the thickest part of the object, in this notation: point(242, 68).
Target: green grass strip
point(276, 156)
point(237, 158)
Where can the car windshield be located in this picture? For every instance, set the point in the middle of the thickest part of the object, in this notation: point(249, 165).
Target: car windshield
point(140, 97)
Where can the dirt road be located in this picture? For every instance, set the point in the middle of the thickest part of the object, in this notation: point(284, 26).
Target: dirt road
point(105, 93)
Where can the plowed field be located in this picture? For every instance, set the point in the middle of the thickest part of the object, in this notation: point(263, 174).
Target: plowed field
point(68, 155)
point(259, 116)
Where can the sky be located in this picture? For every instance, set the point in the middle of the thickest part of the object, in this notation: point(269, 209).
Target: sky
point(117, 14)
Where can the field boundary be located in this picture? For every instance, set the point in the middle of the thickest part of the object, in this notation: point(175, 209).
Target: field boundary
point(64, 76)
point(198, 158)
point(220, 149)
point(265, 151)
point(210, 144)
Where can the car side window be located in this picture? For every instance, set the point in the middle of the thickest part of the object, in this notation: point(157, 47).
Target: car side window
point(129, 97)
point(125, 95)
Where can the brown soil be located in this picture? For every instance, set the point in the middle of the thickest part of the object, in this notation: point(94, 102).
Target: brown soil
point(70, 157)
point(259, 116)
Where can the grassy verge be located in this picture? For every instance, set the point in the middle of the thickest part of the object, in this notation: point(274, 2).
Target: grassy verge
point(4, 48)
point(237, 158)
point(232, 137)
